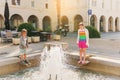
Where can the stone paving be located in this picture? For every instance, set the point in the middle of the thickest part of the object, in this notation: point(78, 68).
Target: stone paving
point(108, 45)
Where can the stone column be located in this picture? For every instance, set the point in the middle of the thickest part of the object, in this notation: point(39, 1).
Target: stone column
point(40, 24)
point(25, 19)
point(97, 25)
point(71, 25)
point(113, 29)
point(54, 25)
point(118, 25)
point(106, 25)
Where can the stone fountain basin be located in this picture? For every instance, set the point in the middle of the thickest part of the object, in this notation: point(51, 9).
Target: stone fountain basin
point(97, 63)
point(12, 64)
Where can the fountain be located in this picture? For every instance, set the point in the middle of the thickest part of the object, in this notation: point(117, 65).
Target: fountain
point(52, 67)
point(51, 62)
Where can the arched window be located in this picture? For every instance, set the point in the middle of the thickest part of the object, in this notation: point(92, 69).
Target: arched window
point(102, 3)
point(94, 3)
point(18, 2)
point(111, 4)
point(117, 5)
point(32, 4)
point(46, 5)
point(13, 2)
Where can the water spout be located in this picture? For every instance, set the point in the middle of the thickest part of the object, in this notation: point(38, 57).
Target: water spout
point(51, 62)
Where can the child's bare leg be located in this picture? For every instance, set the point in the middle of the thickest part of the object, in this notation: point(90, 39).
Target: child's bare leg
point(80, 55)
point(81, 52)
point(26, 60)
point(21, 57)
point(84, 53)
point(24, 56)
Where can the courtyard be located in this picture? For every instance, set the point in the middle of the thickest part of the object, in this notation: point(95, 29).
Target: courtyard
point(108, 45)
point(51, 27)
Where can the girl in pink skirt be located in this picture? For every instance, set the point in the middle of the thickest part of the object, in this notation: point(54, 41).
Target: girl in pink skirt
point(83, 42)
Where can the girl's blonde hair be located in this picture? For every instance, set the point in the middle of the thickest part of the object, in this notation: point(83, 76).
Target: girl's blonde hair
point(81, 23)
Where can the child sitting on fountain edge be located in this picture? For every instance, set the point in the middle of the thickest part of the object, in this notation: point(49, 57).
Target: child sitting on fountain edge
point(23, 46)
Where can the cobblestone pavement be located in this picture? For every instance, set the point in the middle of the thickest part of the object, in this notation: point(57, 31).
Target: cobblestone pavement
point(108, 45)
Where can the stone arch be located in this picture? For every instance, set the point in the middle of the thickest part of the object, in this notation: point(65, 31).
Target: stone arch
point(110, 23)
point(33, 20)
point(64, 20)
point(46, 23)
point(102, 23)
point(93, 21)
point(16, 20)
point(1, 21)
point(117, 24)
point(77, 20)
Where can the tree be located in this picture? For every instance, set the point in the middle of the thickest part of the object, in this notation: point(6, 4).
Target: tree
point(6, 15)
point(29, 27)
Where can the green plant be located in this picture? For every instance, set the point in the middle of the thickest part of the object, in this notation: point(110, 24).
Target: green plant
point(2, 29)
point(48, 29)
point(29, 27)
point(93, 33)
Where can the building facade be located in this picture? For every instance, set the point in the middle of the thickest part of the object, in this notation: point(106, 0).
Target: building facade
point(103, 14)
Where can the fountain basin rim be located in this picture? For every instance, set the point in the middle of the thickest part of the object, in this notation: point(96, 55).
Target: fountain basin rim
point(11, 60)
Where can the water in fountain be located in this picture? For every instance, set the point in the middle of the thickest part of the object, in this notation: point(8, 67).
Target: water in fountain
point(51, 65)
point(51, 62)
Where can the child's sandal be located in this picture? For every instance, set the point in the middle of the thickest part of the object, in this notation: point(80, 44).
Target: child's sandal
point(83, 62)
point(79, 62)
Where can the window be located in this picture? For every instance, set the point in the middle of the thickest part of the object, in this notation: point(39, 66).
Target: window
point(111, 4)
point(13, 2)
point(46, 5)
point(117, 5)
point(18, 2)
point(94, 2)
point(102, 3)
point(32, 4)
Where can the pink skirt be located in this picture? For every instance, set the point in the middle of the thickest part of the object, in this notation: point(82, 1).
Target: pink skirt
point(82, 44)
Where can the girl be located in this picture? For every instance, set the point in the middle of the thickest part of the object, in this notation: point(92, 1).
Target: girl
point(83, 42)
point(23, 45)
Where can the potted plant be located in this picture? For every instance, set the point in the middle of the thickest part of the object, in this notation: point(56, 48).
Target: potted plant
point(57, 35)
point(16, 40)
point(35, 36)
point(48, 29)
point(29, 40)
point(35, 39)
